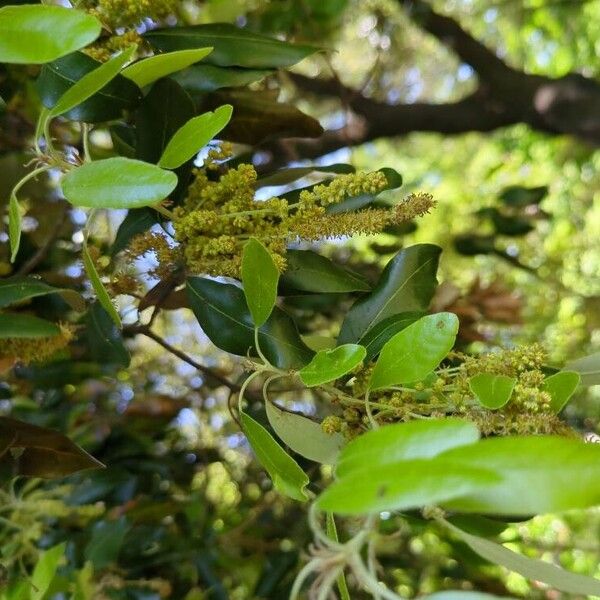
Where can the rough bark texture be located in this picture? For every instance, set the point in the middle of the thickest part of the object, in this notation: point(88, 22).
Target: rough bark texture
point(504, 96)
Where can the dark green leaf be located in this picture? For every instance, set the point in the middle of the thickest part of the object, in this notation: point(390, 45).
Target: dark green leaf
point(259, 278)
point(106, 542)
point(38, 34)
point(403, 485)
point(561, 386)
point(539, 475)
point(108, 103)
point(492, 391)
point(195, 134)
point(201, 79)
point(25, 326)
point(231, 46)
point(377, 337)
point(18, 289)
point(523, 196)
point(405, 441)
point(288, 478)
point(308, 271)
point(223, 314)
point(104, 338)
point(91, 83)
point(415, 351)
point(536, 570)
point(138, 220)
point(329, 365)
point(148, 70)
point(41, 452)
point(304, 436)
point(117, 183)
point(406, 284)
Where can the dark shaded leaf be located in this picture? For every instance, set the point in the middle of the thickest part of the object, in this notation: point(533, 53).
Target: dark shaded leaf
point(106, 542)
point(109, 103)
point(138, 220)
point(231, 45)
point(520, 196)
point(17, 289)
point(406, 284)
point(104, 338)
point(200, 79)
point(39, 452)
point(223, 314)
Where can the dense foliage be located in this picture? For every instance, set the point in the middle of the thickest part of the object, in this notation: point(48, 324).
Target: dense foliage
point(240, 361)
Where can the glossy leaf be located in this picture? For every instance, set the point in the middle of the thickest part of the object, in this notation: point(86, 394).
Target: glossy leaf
point(117, 183)
point(14, 226)
point(36, 34)
point(101, 293)
point(415, 351)
point(540, 474)
point(288, 478)
point(329, 365)
point(535, 570)
point(403, 485)
point(45, 453)
point(91, 83)
point(231, 45)
point(260, 276)
point(308, 271)
point(406, 284)
point(13, 325)
point(588, 368)
point(377, 337)
point(19, 289)
point(492, 391)
point(45, 570)
point(223, 314)
point(148, 70)
point(304, 436)
point(405, 441)
point(201, 79)
point(194, 135)
point(561, 386)
point(106, 104)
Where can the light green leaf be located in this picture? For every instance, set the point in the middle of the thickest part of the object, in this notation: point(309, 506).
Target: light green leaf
point(288, 478)
point(18, 289)
point(117, 183)
point(91, 83)
point(36, 34)
point(318, 342)
point(17, 325)
point(588, 367)
point(403, 485)
point(405, 441)
point(303, 436)
point(148, 70)
point(561, 386)
point(260, 276)
point(462, 595)
point(540, 474)
point(379, 335)
point(45, 570)
point(14, 226)
point(492, 391)
point(194, 135)
point(329, 365)
point(415, 351)
point(536, 570)
point(98, 286)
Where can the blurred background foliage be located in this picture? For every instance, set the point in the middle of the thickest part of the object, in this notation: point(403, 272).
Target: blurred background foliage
point(182, 511)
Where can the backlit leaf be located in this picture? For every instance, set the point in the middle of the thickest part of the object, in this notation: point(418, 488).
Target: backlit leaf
point(14, 226)
point(35, 34)
point(492, 391)
point(588, 368)
point(561, 386)
point(329, 365)
point(415, 351)
point(45, 570)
